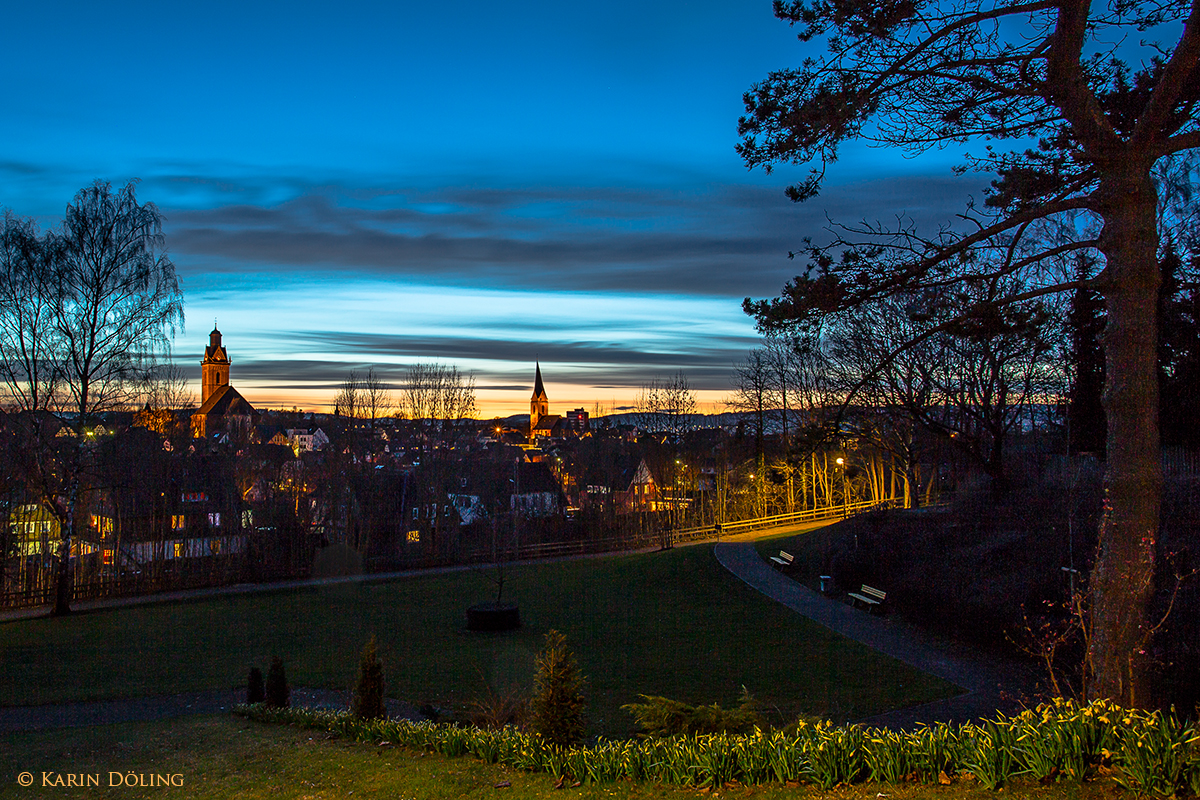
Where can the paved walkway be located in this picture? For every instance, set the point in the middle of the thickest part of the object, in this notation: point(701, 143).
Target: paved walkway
point(145, 709)
point(989, 683)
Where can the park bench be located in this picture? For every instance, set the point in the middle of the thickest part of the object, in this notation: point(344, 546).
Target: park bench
point(870, 597)
point(784, 559)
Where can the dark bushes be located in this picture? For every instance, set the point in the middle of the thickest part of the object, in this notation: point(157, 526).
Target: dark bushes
point(255, 690)
point(278, 693)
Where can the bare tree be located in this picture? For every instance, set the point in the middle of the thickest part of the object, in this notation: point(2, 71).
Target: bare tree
point(165, 386)
point(349, 399)
point(376, 397)
point(101, 303)
point(438, 397)
point(667, 406)
point(30, 363)
point(753, 395)
point(666, 410)
point(116, 298)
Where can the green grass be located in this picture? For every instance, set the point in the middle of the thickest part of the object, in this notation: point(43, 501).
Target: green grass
point(672, 623)
point(226, 756)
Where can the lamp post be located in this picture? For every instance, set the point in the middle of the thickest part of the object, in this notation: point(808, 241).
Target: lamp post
point(754, 488)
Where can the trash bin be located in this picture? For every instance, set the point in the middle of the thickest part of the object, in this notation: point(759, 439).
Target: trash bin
point(826, 584)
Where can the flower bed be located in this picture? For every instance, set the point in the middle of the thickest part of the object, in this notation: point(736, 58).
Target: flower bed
point(1150, 753)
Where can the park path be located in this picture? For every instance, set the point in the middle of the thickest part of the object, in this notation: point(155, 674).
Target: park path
point(990, 683)
point(155, 707)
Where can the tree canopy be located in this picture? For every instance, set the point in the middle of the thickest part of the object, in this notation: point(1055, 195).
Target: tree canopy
point(1078, 123)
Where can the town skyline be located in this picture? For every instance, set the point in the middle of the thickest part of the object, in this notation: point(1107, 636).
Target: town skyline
point(402, 184)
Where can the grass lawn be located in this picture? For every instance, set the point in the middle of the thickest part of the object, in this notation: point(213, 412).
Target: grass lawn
point(227, 756)
point(672, 623)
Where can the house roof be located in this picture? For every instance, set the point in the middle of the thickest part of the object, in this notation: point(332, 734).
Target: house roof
point(535, 478)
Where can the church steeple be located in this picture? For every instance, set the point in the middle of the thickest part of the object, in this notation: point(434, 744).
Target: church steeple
point(539, 404)
point(214, 369)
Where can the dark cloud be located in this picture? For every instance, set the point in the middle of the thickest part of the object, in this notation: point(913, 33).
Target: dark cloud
point(707, 366)
point(720, 240)
point(715, 348)
point(723, 239)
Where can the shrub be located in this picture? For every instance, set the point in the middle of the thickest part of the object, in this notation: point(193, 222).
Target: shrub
point(661, 716)
point(497, 709)
point(255, 691)
point(368, 692)
point(278, 694)
point(556, 710)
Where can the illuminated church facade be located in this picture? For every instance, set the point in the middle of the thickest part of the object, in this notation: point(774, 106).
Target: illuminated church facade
point(543, 424)
point(222, 407)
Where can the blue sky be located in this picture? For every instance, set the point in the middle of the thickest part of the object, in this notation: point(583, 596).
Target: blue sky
point(483, 184)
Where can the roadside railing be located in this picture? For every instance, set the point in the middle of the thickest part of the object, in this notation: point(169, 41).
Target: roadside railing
point(779, 520)
point(678, 536)
point(140, 585)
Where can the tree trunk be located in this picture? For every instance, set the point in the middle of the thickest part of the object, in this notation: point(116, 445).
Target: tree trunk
point(1122, 581)
point(63, 588)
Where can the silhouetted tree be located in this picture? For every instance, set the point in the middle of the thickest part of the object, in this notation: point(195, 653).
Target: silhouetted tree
point(98, 301)
point(918, 74)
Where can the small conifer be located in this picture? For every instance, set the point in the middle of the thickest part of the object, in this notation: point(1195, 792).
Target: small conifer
point(277, 690)
point(368, 693)
point(255, 689)
point(556, 710)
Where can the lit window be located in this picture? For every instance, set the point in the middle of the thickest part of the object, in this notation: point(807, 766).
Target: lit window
point(414, 537)
point(214, 518)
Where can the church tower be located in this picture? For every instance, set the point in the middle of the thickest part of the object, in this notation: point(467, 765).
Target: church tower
point(539, 404)
point(214, 369)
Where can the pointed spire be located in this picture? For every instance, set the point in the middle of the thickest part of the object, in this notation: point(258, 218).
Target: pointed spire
point(538, 389)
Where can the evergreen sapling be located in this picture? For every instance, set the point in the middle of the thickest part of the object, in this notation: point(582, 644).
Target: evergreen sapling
point(256, 691)
point(368, 693)
point(277, 691)
point(556, 710)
